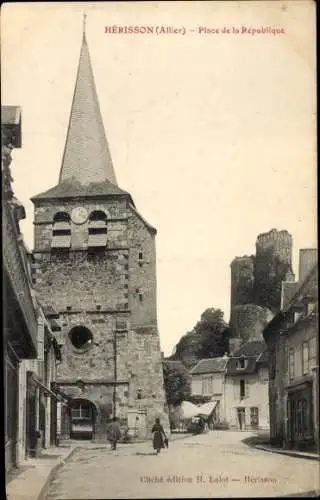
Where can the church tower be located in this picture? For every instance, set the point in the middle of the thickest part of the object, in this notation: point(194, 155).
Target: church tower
point(95, 268)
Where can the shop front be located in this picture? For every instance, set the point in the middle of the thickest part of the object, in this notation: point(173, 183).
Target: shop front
point(300, 424)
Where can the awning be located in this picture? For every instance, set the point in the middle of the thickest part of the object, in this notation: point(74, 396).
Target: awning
point(206, 409)
point(46, 389)
point(189, 410)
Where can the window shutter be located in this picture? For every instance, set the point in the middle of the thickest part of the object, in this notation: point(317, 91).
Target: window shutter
point(61, 231)
point(312, 352)
point(97, 229)
point(236, 389)
point(246, 389)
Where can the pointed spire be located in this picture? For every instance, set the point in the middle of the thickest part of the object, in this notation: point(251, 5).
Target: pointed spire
point(86, 156)
point(84, 25)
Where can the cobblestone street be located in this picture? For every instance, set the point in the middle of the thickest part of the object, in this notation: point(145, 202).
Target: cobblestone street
point(218, 464)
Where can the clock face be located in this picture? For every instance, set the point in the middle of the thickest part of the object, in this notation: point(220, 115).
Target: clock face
point(79, 215)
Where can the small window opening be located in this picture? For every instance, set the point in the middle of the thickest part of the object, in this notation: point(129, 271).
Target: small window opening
point(81, 337)
point(242, 389)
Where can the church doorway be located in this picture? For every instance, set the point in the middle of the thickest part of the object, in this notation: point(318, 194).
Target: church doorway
point(83, 416)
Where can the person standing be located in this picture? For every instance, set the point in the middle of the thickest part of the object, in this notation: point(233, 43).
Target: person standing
point(158, 436)
point(113, 433)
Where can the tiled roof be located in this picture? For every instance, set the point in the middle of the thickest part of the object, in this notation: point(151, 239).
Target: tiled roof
point(250, 348)
point(10, 115)
point(72, 187)
point(209, 365)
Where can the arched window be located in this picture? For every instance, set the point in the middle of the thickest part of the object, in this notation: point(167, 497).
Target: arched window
point(61, 231)
point(97, 229)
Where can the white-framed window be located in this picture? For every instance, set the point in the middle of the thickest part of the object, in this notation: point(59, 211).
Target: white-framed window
point(305, 357)
point(291, 363)
point(81, 411)
point(242, 364)
point(207, 384)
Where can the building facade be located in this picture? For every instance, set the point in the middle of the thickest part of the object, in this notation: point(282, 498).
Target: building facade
point(20, 323)
point(208, 381)
point(95, 264)
point(246, 387)
point(239, 385)
point(29, 345)
point(293, 339)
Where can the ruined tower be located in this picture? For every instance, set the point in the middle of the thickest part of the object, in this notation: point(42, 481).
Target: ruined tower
point(96, 267)
point(273, 264)
point(242, 280)
point(256, 283)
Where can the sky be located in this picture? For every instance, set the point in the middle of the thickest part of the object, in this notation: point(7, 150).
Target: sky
point(213, 134)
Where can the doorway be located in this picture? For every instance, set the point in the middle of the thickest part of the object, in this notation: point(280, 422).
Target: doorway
point(241, 414)
point(254, 417)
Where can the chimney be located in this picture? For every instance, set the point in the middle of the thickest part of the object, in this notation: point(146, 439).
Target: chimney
point(308, 258)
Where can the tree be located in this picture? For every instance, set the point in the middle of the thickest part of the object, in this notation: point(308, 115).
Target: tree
point(208, 339)
point(177, 382)
point(214, 334)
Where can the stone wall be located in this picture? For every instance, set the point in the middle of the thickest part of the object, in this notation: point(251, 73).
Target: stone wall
point(242, 280)
point(248, 321)
point(256, 284)
point(272, 264)
point(112, 293)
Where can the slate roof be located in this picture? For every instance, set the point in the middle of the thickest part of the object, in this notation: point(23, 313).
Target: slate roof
point(232, 366)
point(288, 291)
point(86, 154)
point(209, 365)
point(250, 348)
point(71, 187)
point(49, 311)
point(264, 357)
point(309, 287)
point(254, 351)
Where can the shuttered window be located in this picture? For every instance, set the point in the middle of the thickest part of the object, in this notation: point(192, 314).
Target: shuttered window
point(97, 229)
point(207, 384)
point(61, 231)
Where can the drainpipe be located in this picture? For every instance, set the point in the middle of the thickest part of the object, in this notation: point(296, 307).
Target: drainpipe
point(115, 373)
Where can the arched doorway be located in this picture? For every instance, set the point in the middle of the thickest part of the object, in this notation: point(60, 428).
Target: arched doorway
point(83, 416)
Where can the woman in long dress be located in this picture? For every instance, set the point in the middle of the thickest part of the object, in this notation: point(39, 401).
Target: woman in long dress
point(158, 436)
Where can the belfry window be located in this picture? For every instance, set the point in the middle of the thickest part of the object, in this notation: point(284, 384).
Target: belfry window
point(97, 229)
point(61, 231)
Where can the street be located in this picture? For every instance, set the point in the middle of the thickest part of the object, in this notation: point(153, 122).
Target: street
point(217, 464)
